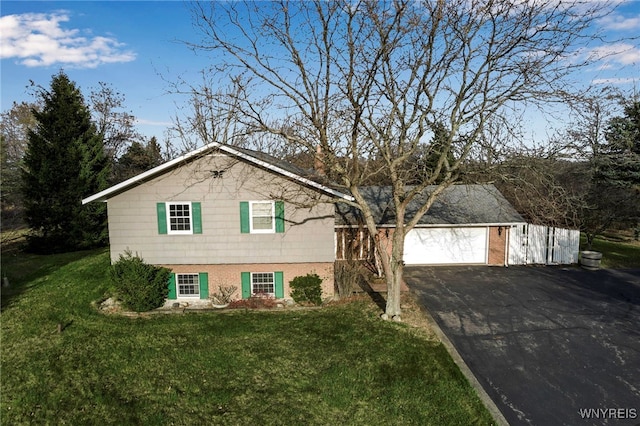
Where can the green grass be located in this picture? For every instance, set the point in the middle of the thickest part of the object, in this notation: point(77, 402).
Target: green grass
point(336, 365)
point(616, 254)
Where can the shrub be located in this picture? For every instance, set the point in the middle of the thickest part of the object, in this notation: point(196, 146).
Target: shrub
point(254, 302)
point(140, 287)
point(307, 289)
point(224, 295)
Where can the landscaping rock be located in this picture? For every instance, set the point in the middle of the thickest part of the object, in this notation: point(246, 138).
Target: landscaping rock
point(110, 305)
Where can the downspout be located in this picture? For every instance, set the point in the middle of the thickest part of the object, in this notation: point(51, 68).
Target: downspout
point(507, 234)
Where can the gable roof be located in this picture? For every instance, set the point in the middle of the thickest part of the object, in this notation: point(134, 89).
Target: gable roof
point(259, 159)
point(457, 205)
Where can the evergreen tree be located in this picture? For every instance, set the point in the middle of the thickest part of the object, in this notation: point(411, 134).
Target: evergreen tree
point(618, 161)
point(64, 162)
point(613, 198)
point(439, 150)
point(137, 159)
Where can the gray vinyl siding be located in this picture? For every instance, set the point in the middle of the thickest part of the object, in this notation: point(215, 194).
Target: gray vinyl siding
point(308, 235)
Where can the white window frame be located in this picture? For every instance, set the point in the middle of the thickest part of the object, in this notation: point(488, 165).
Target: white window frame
point(196, 283)
point(179, 203)
point(273, 218)
point(273, 280)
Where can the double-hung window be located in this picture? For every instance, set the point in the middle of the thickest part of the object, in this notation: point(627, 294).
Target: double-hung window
point(179, 218)
point(188, 285)
point(263, 283)
point(261, 217)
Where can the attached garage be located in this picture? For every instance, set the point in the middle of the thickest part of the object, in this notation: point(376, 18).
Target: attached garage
point(466, 225)
point(446, 246)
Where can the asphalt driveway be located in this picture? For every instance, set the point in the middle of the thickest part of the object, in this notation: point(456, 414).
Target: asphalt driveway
point(549, 345)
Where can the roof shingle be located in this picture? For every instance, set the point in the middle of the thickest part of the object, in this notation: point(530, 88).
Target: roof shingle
point(457, 205)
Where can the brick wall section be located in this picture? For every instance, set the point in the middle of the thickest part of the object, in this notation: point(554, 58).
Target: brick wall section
point(227, 275)
point(498, 237)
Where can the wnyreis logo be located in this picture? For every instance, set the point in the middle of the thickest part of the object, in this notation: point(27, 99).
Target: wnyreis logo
point(608, 413)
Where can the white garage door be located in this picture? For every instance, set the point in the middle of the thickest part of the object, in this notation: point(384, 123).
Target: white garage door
point(438, 246)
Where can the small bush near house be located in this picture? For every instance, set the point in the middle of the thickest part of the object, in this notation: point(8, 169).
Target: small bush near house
point(224, 295)
point(307, 289)
point(140, 287)
point(257, 301)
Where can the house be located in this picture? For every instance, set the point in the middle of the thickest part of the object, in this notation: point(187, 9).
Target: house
point(467, 224)
point(222, 216)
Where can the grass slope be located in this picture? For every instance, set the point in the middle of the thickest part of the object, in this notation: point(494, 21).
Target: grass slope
point(336, 365)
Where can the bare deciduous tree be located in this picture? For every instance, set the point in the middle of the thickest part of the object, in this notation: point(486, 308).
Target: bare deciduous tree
point(15, 125)
point(14, 128)
point(116, 126)
point(211, 113)
point(366, 80)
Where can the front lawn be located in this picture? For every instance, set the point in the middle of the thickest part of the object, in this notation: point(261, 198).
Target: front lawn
point(336, 365)
point(616, 253)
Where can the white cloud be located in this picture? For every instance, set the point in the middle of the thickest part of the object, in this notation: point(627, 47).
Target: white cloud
point(614, 55)
point(39, 40)
point(617, 22)
point(615, 81)
point(145, 122)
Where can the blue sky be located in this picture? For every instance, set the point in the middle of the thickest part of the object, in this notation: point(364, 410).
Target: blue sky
point(133, 46)
point(136, 48)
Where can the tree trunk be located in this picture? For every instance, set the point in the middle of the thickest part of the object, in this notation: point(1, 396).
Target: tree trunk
point(395, 276)
point(394, 284)
point(590, 238)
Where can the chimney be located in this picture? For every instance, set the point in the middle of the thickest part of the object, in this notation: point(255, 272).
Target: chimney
point(318, 162)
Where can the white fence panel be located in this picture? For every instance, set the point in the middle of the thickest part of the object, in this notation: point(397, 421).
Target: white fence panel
point(518, 245)
point(536, 244)
point(537, 239)
point(566, 244)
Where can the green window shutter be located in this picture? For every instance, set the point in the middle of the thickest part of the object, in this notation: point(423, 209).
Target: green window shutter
point(197, 218)
point(279, 281)
point(246, 284)
point(172, 287)
point(244, 217)
point(161, 209)
point(279, 216)
point(203, 277)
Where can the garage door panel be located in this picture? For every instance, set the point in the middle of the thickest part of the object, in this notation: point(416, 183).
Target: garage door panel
point(433, 246)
